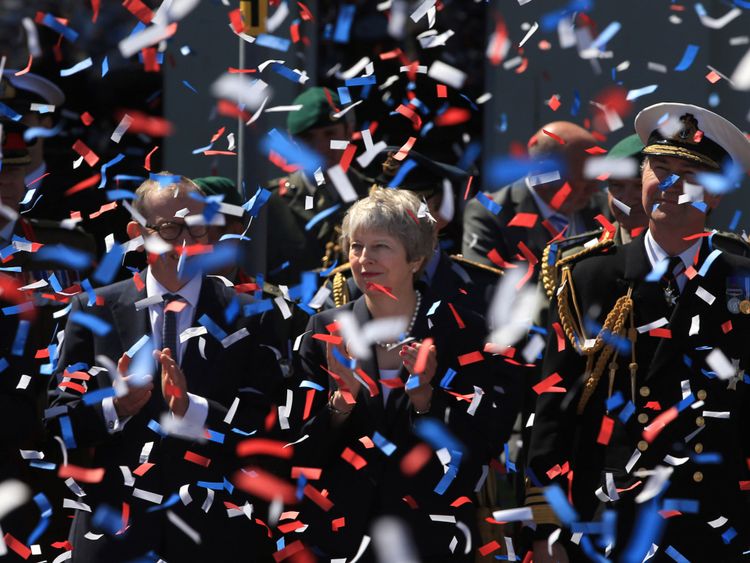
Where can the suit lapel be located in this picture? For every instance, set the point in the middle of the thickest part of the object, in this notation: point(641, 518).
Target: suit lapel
point(131, 324)
point(537, 236)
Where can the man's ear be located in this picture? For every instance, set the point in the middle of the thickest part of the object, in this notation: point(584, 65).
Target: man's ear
point(134, 230)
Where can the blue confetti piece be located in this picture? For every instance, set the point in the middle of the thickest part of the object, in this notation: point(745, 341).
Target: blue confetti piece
point(445, 383)
point(437, 435)
point(626, 412)
point(18, 309)
point(259, 199)
point(676, 555)
point(557, 500)
point(700, 206)
point(46, 465)
point(66, 429)
point(362, 81)
point(639, 92)
point(4, 365)
point(327, 272)
point(688, 506)
point(735, 220)
point(550, 20)
point(307, 384)
point(344, 95)
point(213, 329)
point(173, 499)
point(576, 106)
point(228, 486)
point(503, 122)
point(293, 153)
point(729, 535)
point(22, 334)
point(403, 171)
point(107, 519)
point(189, 86)
point(52, 22)
point(105, 66)
point(258, 307)
point(605, 36)
point(95, 397)
point(351, 363)
point(287, 73)
point(52, 280)
point(648, 528)
point(137, 346)
point(165, 180)
point(742, 4)
point(433, 308)
point(91, 322)
point(41, 132)
point(658, 272)
point(344, 23)
point(108, 267)
point(668, 181)
point(40, 528)
point(78, 67)
point(491, 206)
point(104, 167)
point(708, 458)
point(322, 215)
point(470, 155)
point(216, 437)
point(232, 310)
point(615, 401)
point(65, 256)
point(685, 403)
point(447, 479)
point(385, 445)
point(221, 256)
point(10, 113)
point(707, 264)
point(510, 467)
point(412, 382)
point(729, 179)
point(129, 178)
point(272, 42)
point(156, 428)
point(213, 485)
point(687, 58)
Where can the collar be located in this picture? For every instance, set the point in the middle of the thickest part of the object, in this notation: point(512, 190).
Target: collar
point(543, 206)
point(189, 292)
point(432, 265)
point(656, 253)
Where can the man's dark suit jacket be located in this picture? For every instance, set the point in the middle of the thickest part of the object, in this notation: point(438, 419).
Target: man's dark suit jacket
point(242, 369)
point(380, 487)
point(484, 230)
point(664, 361)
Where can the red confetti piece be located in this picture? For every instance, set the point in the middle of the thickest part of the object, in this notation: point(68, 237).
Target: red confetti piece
point(713, 77)
point(605, 430)
point(669, 513)
point(34, 181)
point(404, 150)
point(147, 161)
point(382, 289)
point(424, 351)
point(468, 187)
point(103, 209)
point(83, 474)
point(553, 136)
point(83, 150)
point(411, 115)
point(95, 4)
point(660, 333)
point(305, 12)
point(317, 497)
point(453, 116)
point(309, 398)
point(294, 32)
point(82, 375)
point(197, 459)
point(369, 381)
point(289, 527)
point(353, 458)
point(66, 545)
point(560, 336)
point(138, 281)
point(413, 462)
point(745, 485)
point(488, 548)
point(235, 18)
point(27, 68)
point(495, 258)
point(367, 442)
point(262, 484)
point(338, 523)
point(653, 405)
point(460, 501)
point(310, 473)
point(561, 195)
point(86, 118)
point(470, 358)
point(263, 446)
point(215, 153)
point(596, 150)
point(408, 499)
point(393, 383)
point(532, 260)
point(459, 320)
point(556, 235)
point(72, 385)
point(499, 39)
point(604, 222)
point(334, 339)
point(442, 91)
point(726, 327)
point(19, 547)
point(554, 104)
point(526, 220)
point(139, 10)
point(660, 422)
point(547, 384)
point(348, 156)
point(291, 549)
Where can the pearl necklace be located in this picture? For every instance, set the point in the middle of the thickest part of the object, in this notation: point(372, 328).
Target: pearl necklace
point(391, 345)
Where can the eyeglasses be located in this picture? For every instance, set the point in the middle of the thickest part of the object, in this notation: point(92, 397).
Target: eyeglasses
point(170, 231)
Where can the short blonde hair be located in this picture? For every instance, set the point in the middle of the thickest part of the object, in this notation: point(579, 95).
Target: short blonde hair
point(395, 212)
point(177, 184)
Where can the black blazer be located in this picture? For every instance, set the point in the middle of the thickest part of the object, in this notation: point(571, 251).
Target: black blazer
point(380, 486)
point(243, 370)
point(560, 435)
point(484, 230)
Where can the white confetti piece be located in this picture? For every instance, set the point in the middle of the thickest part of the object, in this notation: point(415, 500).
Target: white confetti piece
point(523, 514)
point(446, 74)
point(596, 166)
point(658, 323)
point(185, 495)
point(13, 493)
point(718, 523)
point(236, 337)
point(705, 295)
point(76, 505)
point(147, 495)
point(182, 525)
point(655, 484)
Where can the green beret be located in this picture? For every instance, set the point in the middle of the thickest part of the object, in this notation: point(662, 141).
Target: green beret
point(316, 110)
point(630, 146)
point(219, 185)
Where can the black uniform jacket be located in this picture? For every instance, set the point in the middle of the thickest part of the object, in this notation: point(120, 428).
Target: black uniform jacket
point(704, 439)
point(220, 375)
point(380, 487)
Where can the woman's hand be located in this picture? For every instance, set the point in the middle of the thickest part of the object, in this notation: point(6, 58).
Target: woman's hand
point(345, 397)
point(420, 359)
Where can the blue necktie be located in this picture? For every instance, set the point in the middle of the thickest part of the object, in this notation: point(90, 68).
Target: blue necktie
point(559, 221)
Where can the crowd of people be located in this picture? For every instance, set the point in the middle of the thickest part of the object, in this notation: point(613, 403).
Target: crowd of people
point(375, 396)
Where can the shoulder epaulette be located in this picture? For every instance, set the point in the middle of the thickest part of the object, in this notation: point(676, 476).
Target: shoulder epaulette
point(271, 289)
point(567, 252)
point(460, 259)
point(730, 242)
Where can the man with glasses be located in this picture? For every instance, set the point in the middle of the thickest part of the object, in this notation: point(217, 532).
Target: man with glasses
point(214, 376)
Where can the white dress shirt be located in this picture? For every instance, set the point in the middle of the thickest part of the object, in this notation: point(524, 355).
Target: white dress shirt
point(656, 254)
point(197, 410)
point(575, 224)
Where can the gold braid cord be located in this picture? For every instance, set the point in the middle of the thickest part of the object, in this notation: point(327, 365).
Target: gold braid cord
point(340, 290)
point(573, 327)
point(550, 276)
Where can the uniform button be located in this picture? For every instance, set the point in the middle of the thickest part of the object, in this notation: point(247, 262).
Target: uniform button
point(702, 395)
point(643, 418)
point(645, 391)
point(643, 445)
point(700, 421)
point(111, 424)
point(697, 476)
point(698, 448)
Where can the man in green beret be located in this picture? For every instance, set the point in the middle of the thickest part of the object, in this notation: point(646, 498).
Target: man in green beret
point(299, 197)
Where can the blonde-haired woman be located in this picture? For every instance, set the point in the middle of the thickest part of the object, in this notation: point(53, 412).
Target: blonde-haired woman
point(390, 441)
